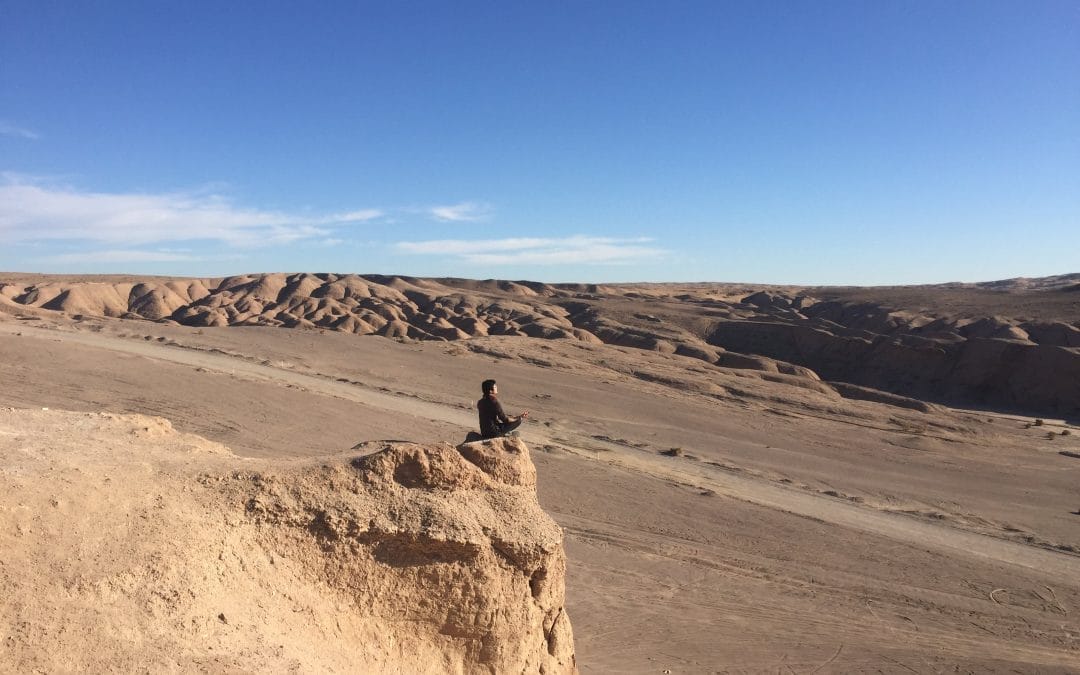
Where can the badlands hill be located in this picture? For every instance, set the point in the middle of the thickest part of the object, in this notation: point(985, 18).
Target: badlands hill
point(129, 546)
point(1012, 344)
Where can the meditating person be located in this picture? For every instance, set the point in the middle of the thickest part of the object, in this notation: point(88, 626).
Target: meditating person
point(493, 420)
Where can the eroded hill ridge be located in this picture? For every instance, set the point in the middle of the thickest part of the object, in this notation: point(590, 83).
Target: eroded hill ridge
point(1012, 344)
point(130, 546)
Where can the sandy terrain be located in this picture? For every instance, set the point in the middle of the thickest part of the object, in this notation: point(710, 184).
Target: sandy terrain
point(720, 515)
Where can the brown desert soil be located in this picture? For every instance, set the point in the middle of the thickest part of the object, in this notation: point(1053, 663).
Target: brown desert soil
point(720, 515)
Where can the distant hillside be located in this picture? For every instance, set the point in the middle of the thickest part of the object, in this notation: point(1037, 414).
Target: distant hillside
point(1013, 343)
point(1055, 283)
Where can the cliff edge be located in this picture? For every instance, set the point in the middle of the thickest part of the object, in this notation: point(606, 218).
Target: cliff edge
point(128, 545)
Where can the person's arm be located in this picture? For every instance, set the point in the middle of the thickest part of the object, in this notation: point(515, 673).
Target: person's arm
point(502, 417)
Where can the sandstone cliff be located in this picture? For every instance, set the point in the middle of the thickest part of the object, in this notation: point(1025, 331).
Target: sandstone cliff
point(128, 546)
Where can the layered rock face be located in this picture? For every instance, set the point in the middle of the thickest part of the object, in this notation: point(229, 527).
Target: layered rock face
point(130, 546)
point(991, 361)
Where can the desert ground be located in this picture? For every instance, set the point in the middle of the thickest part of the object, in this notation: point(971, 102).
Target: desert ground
point(749, 479)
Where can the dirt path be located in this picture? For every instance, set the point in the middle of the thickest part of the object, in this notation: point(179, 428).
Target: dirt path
point(239, 367)
point(757, 491)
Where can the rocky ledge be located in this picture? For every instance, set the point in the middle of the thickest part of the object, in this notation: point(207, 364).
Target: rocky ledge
point(130, 546)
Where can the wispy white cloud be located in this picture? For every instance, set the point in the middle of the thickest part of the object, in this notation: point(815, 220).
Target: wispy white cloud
point(32, 211)
point(472, 247)
point(358, 216)
point(9, 129)
point(129, 255)
point(540, 251)
point(463, 212)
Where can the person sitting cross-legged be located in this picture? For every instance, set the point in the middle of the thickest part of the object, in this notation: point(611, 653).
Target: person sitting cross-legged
point(493, 420)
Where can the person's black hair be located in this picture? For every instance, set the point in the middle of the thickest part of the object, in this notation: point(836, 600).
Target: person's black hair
point(486, 386)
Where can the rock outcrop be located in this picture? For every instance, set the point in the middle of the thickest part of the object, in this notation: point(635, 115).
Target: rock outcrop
point(130, 546)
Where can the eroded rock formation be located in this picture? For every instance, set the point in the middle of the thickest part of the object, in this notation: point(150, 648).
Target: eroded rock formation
point(130, 546)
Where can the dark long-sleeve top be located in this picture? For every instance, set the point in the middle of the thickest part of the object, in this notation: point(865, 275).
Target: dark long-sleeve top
point(491, 416)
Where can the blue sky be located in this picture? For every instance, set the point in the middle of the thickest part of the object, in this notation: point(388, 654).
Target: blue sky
point(772, 142)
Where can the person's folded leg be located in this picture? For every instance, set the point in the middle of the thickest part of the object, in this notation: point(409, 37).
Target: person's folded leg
point(507, 428)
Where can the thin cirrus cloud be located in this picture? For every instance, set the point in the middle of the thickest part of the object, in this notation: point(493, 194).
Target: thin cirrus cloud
point(464, 212)
point(9, 129)
point(32, 212)
point(128, 255)
point(540, 251)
